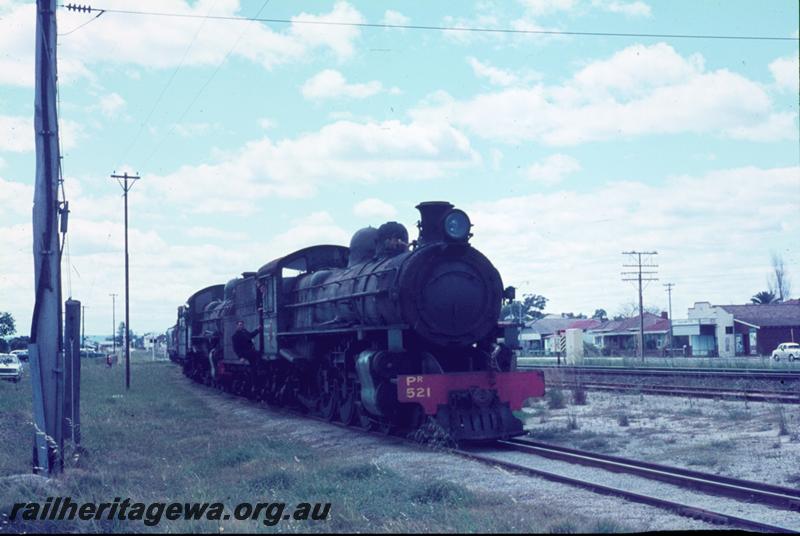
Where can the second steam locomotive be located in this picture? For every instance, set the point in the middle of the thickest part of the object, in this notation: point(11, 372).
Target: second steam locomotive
point(380, 334)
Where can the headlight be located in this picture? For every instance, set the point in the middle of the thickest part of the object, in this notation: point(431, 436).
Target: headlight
point(457, 225)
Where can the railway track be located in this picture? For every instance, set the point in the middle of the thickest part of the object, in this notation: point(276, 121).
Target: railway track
point(699, 392)
point(774, 496)
point(756, 385)
point(738, 374)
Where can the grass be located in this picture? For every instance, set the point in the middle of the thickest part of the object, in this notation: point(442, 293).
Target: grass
point(710, 454)
point(164, 440)
point(573, 437)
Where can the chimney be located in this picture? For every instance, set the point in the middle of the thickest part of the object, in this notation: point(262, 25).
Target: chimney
point(664, 315)
point(430, 224)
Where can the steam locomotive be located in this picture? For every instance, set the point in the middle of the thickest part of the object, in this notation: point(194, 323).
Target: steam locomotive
point(377, 335)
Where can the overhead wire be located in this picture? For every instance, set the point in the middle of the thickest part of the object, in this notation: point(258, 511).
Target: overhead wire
point(144, 123)
point(202, 89)
point(449, 28)
point(82, 25)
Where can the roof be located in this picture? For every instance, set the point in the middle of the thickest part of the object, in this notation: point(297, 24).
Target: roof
point(549, 324)
point(652, 323)
point(309, 259)
point(770, 315)
point(553, 323)
point(585, 323)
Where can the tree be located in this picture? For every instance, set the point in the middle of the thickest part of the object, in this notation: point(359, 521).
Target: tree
point(600, 314)
point(778, 281)
point(7, 325)
point(631, 310)
point(764, 297)
point(530, 308)
point(19, 343)
point(121, 334)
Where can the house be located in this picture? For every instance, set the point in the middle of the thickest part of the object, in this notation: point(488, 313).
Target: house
point(728, 330)
point(619, 337)
point(541, 336)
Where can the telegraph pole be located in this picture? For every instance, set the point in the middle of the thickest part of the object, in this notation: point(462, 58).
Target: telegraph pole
point(83, 326)
point(669, 293)
point(45, 349)
point(639, 278)
point(126, 181)
point(114, 323)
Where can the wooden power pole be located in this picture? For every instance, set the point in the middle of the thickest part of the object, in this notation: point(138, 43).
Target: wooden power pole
point(45, 349)
point(126, 186)
point(639, 278)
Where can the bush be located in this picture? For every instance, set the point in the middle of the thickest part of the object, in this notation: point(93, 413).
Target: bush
point(441, 491)
point(579, 395)
point(572, 422)
point(555, 399)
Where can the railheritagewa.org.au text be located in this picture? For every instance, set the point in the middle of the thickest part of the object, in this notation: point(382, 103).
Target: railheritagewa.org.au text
point(151, 514)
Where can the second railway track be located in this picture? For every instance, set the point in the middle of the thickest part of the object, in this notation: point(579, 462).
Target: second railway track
point(737, 489)
point(754, 385)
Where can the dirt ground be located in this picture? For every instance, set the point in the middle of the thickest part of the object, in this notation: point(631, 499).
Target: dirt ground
point(751, 440)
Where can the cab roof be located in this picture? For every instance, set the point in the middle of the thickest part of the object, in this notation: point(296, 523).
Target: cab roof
point(309, 259)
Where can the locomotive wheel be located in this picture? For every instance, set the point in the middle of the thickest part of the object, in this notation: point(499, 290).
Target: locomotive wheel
point(386, 428)
point(326, 390)
point(362, 419)
point(347, 402)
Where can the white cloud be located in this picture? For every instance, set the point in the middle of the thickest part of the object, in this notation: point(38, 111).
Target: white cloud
point(17, 135)
point(713, 234)
point(636, 8)
point(330, 84)
point(553, 169)
point(214, 233)
point(639, 90)
point(393, 17)
point(296, 167)
point(317, 228)
point(111, 104)
point(774, 128)
point(544, 7)
point(118, 39)
point(374, 208)
point(266, 123)
point(638, 69)
point(15, 198)
point(190, 130)
point(496, 158)
point(786, 72)
point(501, 77)
point(496, 76)
point(631, 9)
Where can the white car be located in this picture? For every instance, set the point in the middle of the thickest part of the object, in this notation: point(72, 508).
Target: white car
point(10, 367)
point(788, 350)
point(21, 354)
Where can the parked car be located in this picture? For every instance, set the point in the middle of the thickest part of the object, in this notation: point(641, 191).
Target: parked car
point(786, 350)
point(10, 367)
point(21, 354)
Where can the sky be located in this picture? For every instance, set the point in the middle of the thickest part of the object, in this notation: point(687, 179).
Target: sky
point(254, 139)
